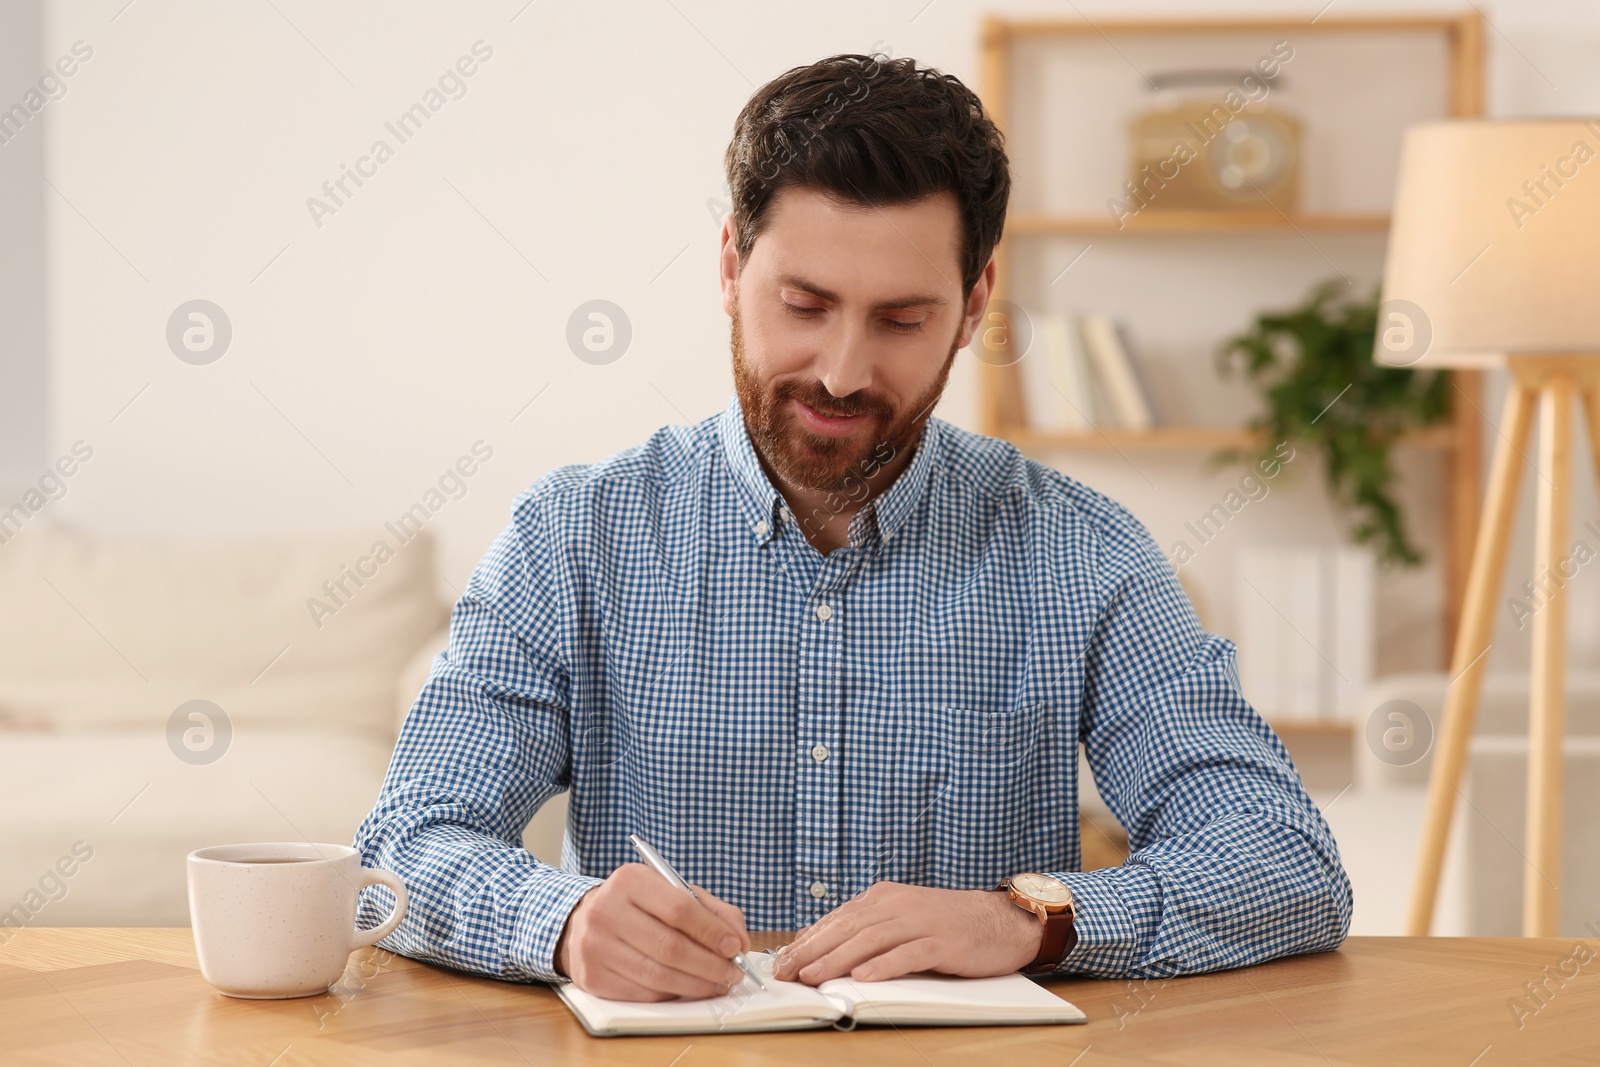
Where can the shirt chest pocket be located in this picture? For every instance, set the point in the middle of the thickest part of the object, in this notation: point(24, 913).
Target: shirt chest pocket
point(968, 739)
point(962, 780)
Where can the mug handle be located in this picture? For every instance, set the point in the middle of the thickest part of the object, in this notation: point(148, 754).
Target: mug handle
point(375, 876)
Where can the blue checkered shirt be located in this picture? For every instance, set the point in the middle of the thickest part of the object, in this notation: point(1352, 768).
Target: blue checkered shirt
point(654, 634)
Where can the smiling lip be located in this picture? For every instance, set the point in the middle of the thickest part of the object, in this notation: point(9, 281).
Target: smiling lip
point(828, 424)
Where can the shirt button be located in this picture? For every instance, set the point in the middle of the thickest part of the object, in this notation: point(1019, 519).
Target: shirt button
point(819, 890)
point(819, 753)
point(785, 515)
point(824, 613)
point(761, 527)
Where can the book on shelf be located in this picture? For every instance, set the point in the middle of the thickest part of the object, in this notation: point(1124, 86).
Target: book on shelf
point(1257, 627)
point(1306, 630)
point(1141, 370)
point(1064, 401)
point(1046, 410)
point(1302, 642)
point(1109, 357)
point(841, 1003)
point(1104, 404)
point(1351, 579)
point(1084, 375)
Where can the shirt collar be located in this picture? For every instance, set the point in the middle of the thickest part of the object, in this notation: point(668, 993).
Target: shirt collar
point(758, 499)
point(762, 504)
point(894, 506)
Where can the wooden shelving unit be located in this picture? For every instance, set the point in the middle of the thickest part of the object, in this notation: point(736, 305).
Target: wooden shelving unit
point(1313, 727)
point(1002, 412)
point(1185, 438)
point(1170, 222)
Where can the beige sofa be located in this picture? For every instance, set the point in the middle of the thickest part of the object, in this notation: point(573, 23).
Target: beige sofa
point(104, 790)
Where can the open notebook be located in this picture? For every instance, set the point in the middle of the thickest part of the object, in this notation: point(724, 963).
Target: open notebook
point(923, 1000)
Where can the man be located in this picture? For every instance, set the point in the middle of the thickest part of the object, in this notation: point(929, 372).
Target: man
point(833, 656)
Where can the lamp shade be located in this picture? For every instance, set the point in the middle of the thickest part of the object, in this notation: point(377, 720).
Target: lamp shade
point(1494, 246)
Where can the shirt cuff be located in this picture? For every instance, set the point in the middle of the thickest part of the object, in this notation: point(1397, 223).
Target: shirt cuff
point(1108, 939)
point(542, 918)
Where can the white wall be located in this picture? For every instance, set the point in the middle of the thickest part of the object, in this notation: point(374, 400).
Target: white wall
point(369, 352)
point(24, 355)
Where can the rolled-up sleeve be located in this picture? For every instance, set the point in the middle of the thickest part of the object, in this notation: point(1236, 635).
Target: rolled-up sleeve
point(1231, 863)
point(485, 744)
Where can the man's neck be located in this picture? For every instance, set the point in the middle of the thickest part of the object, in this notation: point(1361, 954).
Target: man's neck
point(824, 516)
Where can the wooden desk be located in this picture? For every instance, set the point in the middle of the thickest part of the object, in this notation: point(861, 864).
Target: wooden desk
point(135, 997)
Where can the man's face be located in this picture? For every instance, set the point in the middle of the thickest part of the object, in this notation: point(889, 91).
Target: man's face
point(845, 323)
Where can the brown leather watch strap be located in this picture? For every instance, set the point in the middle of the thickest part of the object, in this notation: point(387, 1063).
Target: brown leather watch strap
point(1060, 937)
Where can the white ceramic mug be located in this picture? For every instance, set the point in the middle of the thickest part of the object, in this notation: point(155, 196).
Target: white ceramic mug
point(277, 919)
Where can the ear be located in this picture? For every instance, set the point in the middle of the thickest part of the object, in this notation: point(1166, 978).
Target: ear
point(728, 263)
point(977, 301)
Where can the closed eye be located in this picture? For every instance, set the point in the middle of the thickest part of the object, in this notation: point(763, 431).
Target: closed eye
point(893, 324)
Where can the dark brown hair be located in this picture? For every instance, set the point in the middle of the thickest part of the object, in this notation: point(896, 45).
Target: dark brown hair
point(874, 131)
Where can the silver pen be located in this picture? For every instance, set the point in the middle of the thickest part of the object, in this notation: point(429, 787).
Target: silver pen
point(659, 863)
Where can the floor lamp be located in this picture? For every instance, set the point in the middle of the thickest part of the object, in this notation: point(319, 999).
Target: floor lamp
point(1494, 261)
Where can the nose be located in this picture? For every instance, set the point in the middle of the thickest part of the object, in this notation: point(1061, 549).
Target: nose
point(844, 365)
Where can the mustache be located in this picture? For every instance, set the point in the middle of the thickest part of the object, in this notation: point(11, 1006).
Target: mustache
point(817, 398)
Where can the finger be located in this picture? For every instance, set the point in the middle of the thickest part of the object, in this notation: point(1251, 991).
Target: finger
point(908, 957)
point(863, 903)
point(660, 978)
point(728, 913)
point(642, 937)
point(682, 912)
point(824, 936)
point(821, 928)
point(788, 960)
point(613, 985)
point(867, 943)
point(811, 942)
point(643, 982)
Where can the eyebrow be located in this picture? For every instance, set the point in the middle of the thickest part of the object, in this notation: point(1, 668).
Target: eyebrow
point(915, 300)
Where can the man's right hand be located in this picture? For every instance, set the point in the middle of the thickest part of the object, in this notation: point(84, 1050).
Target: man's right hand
point(635, 937)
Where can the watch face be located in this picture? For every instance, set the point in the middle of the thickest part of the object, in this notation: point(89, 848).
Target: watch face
point(1043, 888)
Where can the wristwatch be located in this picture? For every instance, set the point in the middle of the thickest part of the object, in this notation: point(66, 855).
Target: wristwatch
point(1051, 900)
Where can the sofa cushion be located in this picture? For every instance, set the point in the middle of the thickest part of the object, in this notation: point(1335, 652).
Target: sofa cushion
point(123, 814)
point(120, 631)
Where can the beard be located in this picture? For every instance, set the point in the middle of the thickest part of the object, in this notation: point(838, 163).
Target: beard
point(813, 461)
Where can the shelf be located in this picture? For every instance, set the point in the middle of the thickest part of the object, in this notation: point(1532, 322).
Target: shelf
point(1177, 438)
point(1185, 438)
point(1311, 727)
point(1154, 221)
point(998, 29)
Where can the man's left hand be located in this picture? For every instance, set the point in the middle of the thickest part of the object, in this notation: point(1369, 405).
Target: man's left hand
point(893, 929)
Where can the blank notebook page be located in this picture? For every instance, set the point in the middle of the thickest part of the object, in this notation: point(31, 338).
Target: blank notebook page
point(937, 998)
point(746, 1007)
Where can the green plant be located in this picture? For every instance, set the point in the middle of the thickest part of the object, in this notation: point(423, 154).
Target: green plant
point(1314, 368)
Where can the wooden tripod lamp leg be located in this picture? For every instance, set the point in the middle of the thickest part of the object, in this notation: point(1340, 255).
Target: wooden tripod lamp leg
point(1469, 658)
point(1547, 704)
point(1589, 397)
